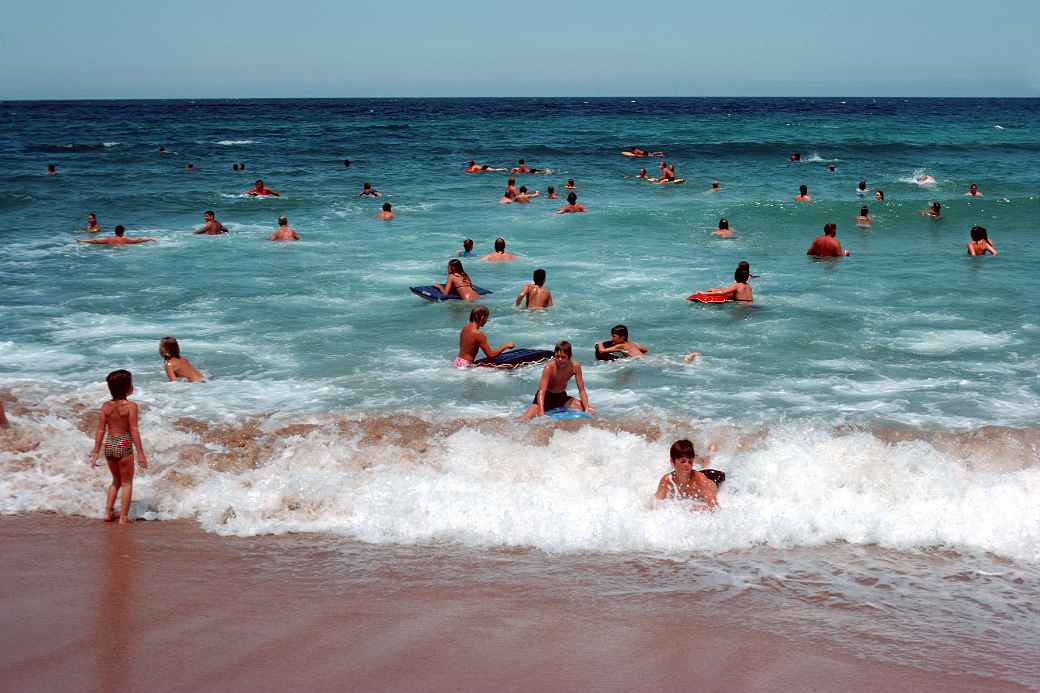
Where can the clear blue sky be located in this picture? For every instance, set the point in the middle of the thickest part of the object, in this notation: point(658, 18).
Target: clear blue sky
point(190, 48)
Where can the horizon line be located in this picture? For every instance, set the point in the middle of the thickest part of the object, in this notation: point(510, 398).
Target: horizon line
point(383, 98)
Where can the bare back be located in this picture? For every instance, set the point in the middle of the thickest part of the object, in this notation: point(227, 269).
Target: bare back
point(116, 413)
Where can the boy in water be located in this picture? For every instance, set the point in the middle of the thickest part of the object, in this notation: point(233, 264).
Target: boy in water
point(523, 197)
point(552, 388)
point(803, 194)
point(467, 249)
point(368, 191)
point(471, 339)
point(212, 227)
point(686, 483)
point(117, 239)
point(118, 417)
point(739, 290)
point(385, 214)
point(724, 231)
point(618, 346)
point(92, 225)
point(500, 254)
point(261, 190)
point(536, 295)
point(973, 191)
point(572, 205)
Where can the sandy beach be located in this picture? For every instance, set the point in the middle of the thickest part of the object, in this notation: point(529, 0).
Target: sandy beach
point(165, 606)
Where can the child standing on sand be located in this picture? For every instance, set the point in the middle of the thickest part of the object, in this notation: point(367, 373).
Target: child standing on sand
point(118, 417)
point(177, 367)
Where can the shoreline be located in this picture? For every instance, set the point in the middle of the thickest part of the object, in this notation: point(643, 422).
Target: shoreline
point(163, 605)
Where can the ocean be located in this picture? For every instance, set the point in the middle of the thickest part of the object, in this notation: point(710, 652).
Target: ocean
point(878, 416)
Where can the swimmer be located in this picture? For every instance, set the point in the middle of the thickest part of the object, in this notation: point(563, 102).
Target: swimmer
point(831, 168)
point(934, 211)
point(715, 187)
point(879, 195)
point(827, 245)
point(618, 346)
point(510, 194)
point(234, 167)
point(864, 217)
point(189, 168)
point(536, 295)
point(471, 339)
point(52, 170)
point(117, 429)
point(642, 174)
point(458, 282)
point(368, 191)
point(980, 243)
point(211, 227)
point(346, 163)
point(162, 150)
point(260, 190)
point(524, 197)
point(467, 249)
point(973, 191)
point(861, 188)
point(92, 225)
point(667, 174)
point(176, 366)
point(724, 231)
point(803, 194)
point(795, 157)
point(521, 167)
point(552, 388)
point(686, 483)
point(639, 152)
point(241, 167)
point(473, 167)
point(500, 254)
point(570, 184)
point(118, 238)
point(739, 290)
point(550, 193)
point(386, 213)
point(284, 232)
point(924, 179)
point(572, 205)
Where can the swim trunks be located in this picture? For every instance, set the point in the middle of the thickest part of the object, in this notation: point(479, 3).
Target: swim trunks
point(460, 362)
point(554, 400)
point(118, 447)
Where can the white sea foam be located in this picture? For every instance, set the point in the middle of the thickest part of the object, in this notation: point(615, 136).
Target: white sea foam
point(231, 143)
point(111, 144)
point(944, 342)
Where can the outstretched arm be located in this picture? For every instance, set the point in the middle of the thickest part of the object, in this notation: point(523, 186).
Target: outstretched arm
point(492, 353)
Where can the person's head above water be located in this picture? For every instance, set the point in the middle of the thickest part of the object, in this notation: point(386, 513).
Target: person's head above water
point(523, 189)
point(169, 348)
point(91, 217)
point(551, 190)
point(936, 207)
point(386, 207)
point(521, 162)
point(879, 195)
point(500, 245)
point(258, 184)
point(479, 315)
point(208, 215)
point(119, 230)
point(978, 233)
point(742, 274)
point(723, 223)
point(619, 331)
point(714, 185)
point(803, 189)
point(346, 163)
point(862, 185)
point(973, 188)
point(864, 212)
point(283, 220)
point(467, 245)
point(572, 198)
point(120, 383)
point(455, 267)
point(539, 277)
point(366, 186)
point(830, 229)
point(682, 450)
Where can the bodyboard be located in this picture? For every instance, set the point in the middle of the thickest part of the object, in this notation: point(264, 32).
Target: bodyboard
point(434, 294)
point(516, 358)
point(707, 298)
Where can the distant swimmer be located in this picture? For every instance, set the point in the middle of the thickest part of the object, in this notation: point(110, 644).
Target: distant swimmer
point(724, 231)
point(973, 191)
point(510, 194)
point(879, 195)
point(535, 294)
point(92, 225)
point(52, 170)
point(861, 188)
point(368, 191)
point(642, 174)
point(715, 187)
point(831, 168)
point(934, 211)
point(980, 243)
point(924, 179)
point(550, 193)
point(618, 346)
point(346, 163)
point(639, 152)
point(284, 232)
point(739, 290)
point(570, 184)
point(552, 388)
point(176, 366)
point(803, 194)
point(686, 483)
point(189, 167)
point(261, 190)
point(234, 167)
point(864, 217)
point(795, 157)
point(467, 249)
point(500, 254)
point(211, 227)
point(162, 150)
point(473, 167)
point(523, 197)
point(572, 205)
point(241, 167)
point(521, 167)
point(667, 172)
point(471, 339)
point(827, 245)
point(118, 238)
point(386, 213)
point(458, 282)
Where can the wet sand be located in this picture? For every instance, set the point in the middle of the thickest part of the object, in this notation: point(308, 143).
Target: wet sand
point(164, 606)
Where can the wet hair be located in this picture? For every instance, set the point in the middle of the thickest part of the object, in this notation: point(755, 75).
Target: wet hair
point(346, 163)
point(241, 167)
point(190, 166)
point(521, 162)
point(50, 167)
point(620, 331)
point(742, 274)
point(479, 314)
point(723, 223)
point(714, 184)
point(119, 230)
point(551, 190)
point(386, 206)
point(563, 347)
point(468, 244)
point(500, 245)
point(91, 214)
point(682, 448)
point(366, 186)
point(879, 194)
point(511, 181)
point(803, 189)
point(120, 383)
point(234, 167)
point(169, 348)
point(455, 267)
point(283, 220)
point(209, 212)
point(936, 207)
point(862, 185)
point(830, 229)
point(162, 149)
point(570, 181)
point(539, 277)
point(572, 198)
point(258, 182)
point(973, 186)
point(523, 188)
point(978, 233)
point(864, 212)
point(471, 162)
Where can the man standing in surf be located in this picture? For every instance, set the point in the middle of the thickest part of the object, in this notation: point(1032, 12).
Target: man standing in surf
point(552, 388)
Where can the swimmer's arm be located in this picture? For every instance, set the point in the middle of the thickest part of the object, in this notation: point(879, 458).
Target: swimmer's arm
point(93, 241)
point(549, 301)
point(992, 248)
point(492, 353)
point(580, 382)
point(449, 285)
point(136, 435)
point(662, 488)
point(708, 492)
point(171, 375)
point(520, 296)
point(99, 437)
point(143, 239)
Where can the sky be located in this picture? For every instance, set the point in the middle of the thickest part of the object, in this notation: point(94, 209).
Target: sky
point(402, 48)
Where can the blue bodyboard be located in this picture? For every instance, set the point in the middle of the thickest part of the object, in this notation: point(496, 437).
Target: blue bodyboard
point(433, 294)
point(567, 414)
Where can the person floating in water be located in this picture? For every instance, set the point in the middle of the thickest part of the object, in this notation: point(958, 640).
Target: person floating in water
point(536, 295)
point(618, 346)
point(861, 188)
point(118, 238)
point(795, 157)
point(803, 194)
point(211, 227)
point(189, 167)
point(284, 232)
point(550, 193)
point(924, 179)
point(980, 243)
point(686, 483)
point(473, 167)
point(92, 225)
point(552, 388)
point(458, 282)
point(368, 191)
point(467, 249)
point(500, 254)
point(117, 430)
point(521, 167)
point(510, 194)
point(934, 211)
point(724, 231)
point(572, 205)
point(52, 170)
point(523, 197)
point(386, 213)
point(176, 366)
point(570, 185)
point(471, 339)
point(261, 190)
point(973, 191)
point(739, 290)
point(715, 187)
point(827, 245)
point(162, 150)
point(864, 217)
point(639, 152)
point(879, 195)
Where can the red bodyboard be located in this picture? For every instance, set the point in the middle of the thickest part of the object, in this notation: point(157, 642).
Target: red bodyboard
point(707, 298)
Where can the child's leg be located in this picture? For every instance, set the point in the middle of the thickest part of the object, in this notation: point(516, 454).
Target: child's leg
point(126, 472)
point(113, 488)
point(532, 411)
